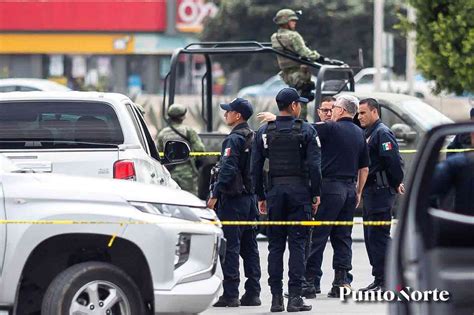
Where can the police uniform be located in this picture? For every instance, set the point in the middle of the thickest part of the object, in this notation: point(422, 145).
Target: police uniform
point(385, 176)
point(456, 171)
point(237, 202)
point(293, 153)
point(185, 174)
point(344, 152)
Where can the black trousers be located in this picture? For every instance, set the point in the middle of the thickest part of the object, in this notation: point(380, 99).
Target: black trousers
point(378, 204)
point(241, 241)
point(290, 202)
point(338, 202)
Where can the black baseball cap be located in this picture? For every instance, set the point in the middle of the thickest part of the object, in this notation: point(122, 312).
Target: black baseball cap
point(239, 105)
point(289, 95)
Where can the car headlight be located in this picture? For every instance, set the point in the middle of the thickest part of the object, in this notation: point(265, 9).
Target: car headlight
point(174, 211)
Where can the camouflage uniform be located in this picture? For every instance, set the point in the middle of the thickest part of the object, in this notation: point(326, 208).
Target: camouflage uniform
point(293, 73)
point(184, 174)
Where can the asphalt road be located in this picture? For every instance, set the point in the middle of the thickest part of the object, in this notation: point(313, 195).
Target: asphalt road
point(322, 304)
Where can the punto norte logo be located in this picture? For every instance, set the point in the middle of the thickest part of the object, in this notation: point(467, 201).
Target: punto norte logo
point(405, 294)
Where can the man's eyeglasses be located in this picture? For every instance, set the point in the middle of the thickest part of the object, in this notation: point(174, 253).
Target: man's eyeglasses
point(326, 110)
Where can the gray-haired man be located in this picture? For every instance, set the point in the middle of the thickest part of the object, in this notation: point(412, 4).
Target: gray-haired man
point(344, 167)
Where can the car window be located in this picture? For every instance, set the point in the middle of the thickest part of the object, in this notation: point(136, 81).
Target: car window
point(149, 139)
point(368, 78)
point(27, 89)
point(402, 129)
point(7, 88)
point(58, 124)
point(137, 126)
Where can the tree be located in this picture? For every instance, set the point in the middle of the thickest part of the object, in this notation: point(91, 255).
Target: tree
point(445, 43)
point(336, 29)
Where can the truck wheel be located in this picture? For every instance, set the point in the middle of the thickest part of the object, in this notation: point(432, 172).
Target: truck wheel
point(92, 288)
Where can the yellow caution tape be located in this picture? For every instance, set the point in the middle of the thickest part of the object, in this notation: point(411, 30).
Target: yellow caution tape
point(229, 223)
point(407, 151)
point(112, 240)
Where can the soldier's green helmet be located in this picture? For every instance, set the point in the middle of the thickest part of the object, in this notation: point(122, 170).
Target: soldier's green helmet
point(284, 16)
point(177, 110)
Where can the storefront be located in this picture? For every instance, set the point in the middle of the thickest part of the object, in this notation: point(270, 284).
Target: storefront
point(121, 46)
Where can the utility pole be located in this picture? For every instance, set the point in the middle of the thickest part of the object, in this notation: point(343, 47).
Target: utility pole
point(411, 52)
point(378, 38)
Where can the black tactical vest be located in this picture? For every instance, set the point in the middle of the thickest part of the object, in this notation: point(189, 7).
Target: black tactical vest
point(242, 182)
point(464, 183)
point(285, 148)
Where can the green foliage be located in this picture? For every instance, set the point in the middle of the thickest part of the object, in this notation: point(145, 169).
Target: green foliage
point(445, 43)
point(336, 29)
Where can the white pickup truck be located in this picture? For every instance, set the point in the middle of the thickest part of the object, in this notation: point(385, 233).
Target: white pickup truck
point(110, 247)
point(79, 133)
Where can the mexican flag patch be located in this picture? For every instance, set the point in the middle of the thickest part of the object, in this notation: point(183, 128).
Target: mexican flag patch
point(387, 146)
point(227, 152)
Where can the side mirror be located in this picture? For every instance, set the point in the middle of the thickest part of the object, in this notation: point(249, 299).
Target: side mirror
point(405, 132)
point(175, 152)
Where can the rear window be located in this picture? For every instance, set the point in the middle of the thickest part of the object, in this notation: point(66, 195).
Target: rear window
point(58, 124)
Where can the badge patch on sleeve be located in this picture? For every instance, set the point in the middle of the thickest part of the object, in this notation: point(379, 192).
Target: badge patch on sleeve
point(227, 152)
point(387, 146)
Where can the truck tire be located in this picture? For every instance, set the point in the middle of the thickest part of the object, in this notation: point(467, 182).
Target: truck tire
point(91, 285)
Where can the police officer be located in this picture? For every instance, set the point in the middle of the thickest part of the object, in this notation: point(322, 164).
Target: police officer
point(235, 198)
point(384, 181)
point(288, 40)
point(184, 174)
point(344, 166)
point(457, 172)
point(292, 149)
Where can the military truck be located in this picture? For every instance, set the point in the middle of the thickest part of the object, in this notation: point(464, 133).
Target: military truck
point(340, 78)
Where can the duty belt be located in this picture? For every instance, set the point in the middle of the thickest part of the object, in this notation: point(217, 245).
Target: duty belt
point(340, 179)
point(282, 180)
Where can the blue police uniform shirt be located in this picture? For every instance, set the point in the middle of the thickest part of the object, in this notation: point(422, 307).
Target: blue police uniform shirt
point(312, 154)
point(384, 154)
point(457, 172)
point(344, 150)
point(231, 156)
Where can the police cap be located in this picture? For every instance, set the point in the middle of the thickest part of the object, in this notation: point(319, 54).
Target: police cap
point(241, 106)
point(289, 95)
point(177, 110)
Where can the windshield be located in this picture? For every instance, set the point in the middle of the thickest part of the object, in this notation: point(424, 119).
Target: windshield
point(58, 124)
point(424, 114)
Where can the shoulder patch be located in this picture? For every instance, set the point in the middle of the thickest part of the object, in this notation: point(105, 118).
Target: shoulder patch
point(387, 146)
point(227, 152)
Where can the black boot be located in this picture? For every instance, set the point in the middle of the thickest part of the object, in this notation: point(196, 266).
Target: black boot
point(296, 304)
point(227, 302)
point(250, 300)
point(377, 285)
point(277, 303)
point(340, 281)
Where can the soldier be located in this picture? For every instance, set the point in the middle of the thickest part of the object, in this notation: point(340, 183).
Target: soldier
point(293, 152)
point(288, 40)
point(233, 193)
point(184, 174)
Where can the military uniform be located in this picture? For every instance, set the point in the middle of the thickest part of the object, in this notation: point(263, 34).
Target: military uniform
point(344, 153)
point(237, 202)
point(184, 174)
point(293, 73)
point(294, 156)
point(385, 176)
